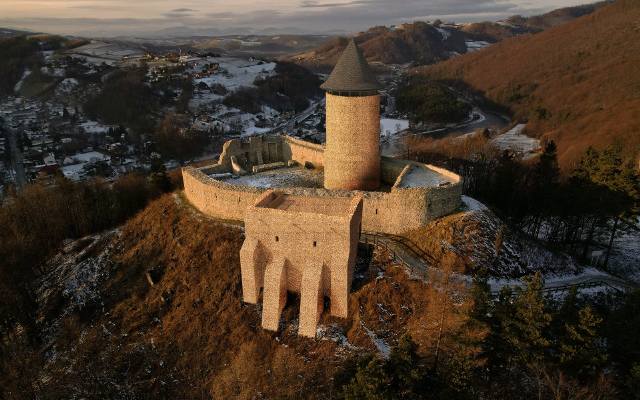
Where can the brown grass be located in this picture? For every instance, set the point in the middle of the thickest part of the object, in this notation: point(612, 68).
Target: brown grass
point(190, 336)
point(577, 83)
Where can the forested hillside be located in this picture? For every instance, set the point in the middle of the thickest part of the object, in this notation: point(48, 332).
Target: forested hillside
point(577, 84)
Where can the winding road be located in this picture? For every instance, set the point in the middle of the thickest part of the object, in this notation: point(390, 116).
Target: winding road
point(396, 145)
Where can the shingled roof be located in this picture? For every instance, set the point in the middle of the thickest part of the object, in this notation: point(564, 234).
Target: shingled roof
point(352, 73)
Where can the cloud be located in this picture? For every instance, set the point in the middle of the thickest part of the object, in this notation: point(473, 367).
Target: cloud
point(311, 16)
point(316, 4)
point(180, 13)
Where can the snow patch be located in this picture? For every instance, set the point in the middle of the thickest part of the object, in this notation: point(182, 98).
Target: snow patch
point(472, 204)
point(18, 85)
point(517, 142)
point(383, 348)
point(390, 126)
point(475, 45)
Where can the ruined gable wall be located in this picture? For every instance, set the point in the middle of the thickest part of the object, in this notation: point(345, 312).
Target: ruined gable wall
point(296, 233)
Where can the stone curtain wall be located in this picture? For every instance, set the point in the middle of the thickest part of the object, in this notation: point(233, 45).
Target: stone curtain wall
point(215, 198)
point(303, 152)
point(352, 155)
point(396, 212)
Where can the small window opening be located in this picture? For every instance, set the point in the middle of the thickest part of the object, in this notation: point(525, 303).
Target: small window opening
point(277, 239)
point(376, 211)
point(315, 244)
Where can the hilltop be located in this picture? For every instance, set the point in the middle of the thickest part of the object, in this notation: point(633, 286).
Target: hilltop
point(423, 43)
point(419, 42)
point(577, 83)
point(154, 308)
point(519, 25)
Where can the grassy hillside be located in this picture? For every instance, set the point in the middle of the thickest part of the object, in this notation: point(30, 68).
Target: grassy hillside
point(112, 334)
point(577, 83)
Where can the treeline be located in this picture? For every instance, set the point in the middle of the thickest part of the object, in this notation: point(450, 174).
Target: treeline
point(587, 206)
point(518, 345)
point(126, 100)
point(289, 90)
point(35, 222)
point(175, 139)
point(16, 55)
point(431, 102)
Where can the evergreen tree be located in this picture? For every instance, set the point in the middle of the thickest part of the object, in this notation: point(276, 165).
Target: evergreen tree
point(158, 177)
point(579, 351)
point(370, 382)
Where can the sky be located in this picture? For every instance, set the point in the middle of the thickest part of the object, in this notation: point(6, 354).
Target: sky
point(167, 17)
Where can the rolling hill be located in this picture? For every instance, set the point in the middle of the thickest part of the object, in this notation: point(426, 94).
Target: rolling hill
point(419, 42)
point(518, 25)
point(577, 83)
point(423, 43)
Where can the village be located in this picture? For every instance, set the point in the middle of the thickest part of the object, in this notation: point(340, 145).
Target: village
point(49, 135)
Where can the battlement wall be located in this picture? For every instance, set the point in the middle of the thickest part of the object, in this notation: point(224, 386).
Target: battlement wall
point(392, 212)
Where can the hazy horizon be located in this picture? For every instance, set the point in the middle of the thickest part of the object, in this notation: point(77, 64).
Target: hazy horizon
point(169, 17)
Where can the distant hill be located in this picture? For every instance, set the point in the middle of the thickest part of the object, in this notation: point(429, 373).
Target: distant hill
point(8, 33)
point(424, 43)
point(419, 42)
point(518, 25)
point(577, 83)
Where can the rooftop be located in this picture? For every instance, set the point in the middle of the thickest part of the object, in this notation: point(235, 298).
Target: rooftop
point(352, 73)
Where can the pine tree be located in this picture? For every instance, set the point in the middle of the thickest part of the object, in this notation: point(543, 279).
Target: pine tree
point(370, 382)
point(580, 353)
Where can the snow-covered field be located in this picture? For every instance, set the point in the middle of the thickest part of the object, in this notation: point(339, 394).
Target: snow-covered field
point(517, 142)
point(66, 86)
point(475, 45)
point(390, 126)
point(237, 73)
point(98, 52)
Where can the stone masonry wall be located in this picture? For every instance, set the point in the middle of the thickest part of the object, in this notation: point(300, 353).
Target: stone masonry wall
point(300, 251)
point(395, 212)
point(352, 155)
point(303, 152)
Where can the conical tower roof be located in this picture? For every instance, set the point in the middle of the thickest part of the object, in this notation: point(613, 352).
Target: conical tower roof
point(352, 73)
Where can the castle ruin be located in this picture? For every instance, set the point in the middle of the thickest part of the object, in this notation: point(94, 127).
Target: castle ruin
point(300, 244)
point(304, 205)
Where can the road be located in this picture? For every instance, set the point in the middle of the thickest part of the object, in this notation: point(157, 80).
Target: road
point(421, 266)
point(17, 161)
point(290, 124)
point(396, 146)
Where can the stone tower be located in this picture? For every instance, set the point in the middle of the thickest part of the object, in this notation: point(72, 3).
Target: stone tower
point(352, 154)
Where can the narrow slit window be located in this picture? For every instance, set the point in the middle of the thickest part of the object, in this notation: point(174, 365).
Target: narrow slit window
point(277, 239)
point(315, 244)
